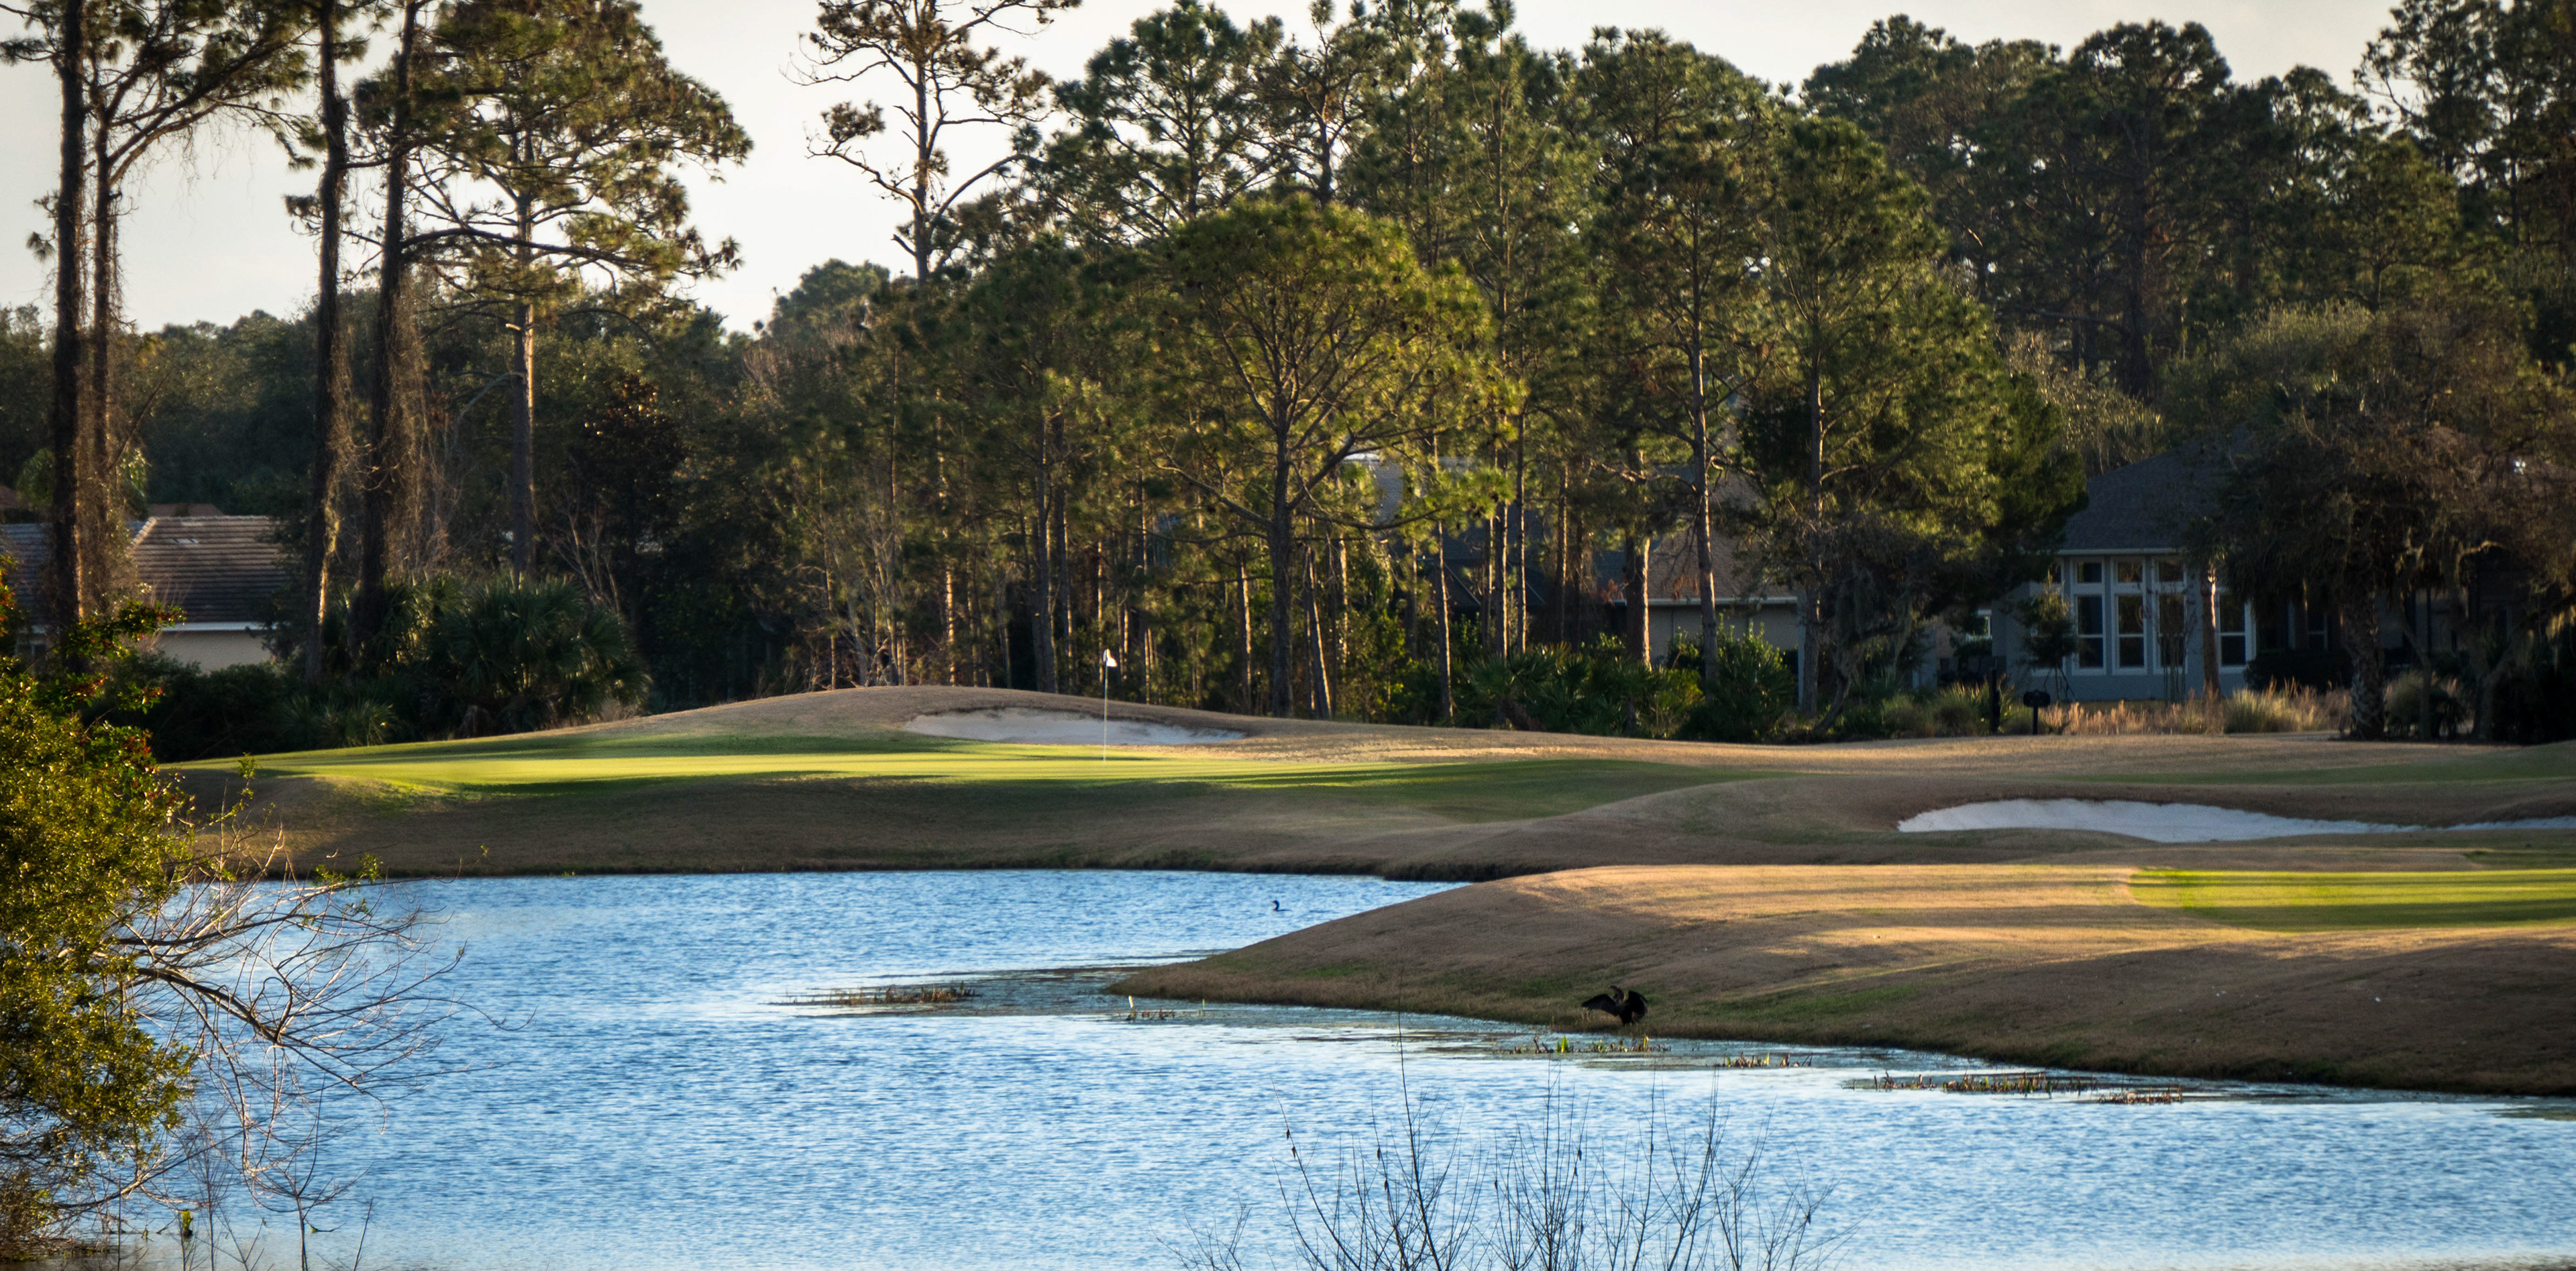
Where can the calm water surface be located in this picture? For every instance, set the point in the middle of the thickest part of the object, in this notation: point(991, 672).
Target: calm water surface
point(657, 1106)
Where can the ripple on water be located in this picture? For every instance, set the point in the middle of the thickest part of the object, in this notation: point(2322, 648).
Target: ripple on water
point(659, 1105)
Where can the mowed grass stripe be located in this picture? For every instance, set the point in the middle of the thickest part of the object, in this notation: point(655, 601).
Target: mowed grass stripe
point(2291, 901)
point(2553, 762)
point(574, 766)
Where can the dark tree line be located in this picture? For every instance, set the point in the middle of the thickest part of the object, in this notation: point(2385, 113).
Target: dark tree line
point(1308, 373)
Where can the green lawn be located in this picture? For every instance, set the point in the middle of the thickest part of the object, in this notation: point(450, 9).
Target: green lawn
point(2554, 762)
point(590, 765)
point(2351, 902)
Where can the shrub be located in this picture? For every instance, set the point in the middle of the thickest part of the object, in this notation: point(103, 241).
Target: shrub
point(454, 659)
point(2293, 710)
point(1597, 690)
point(2426, 706)
point(2317, 669)
point(1958, 711)
point(1751, 693)
point(2535, 702)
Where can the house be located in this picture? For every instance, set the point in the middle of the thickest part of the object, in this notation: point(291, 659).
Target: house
point(1672, 595)
point(2145, 617)
point(222, 572)
point(2148, 622)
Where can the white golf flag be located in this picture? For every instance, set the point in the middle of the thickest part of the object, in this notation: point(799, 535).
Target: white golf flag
point(1108, 659)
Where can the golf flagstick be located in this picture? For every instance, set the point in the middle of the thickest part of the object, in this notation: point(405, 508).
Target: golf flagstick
point(1108, 663)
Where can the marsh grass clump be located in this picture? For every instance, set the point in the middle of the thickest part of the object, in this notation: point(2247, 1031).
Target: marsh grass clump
point(1561, 1044)
point(2295, 709)
point(2025, 1083)
point(1565, 1190)
point(2277, 710)
point(888, 995)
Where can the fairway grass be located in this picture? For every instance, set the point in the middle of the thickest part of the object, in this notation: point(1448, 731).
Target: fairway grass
point(590, 764)
point(2550, 763)
point(2301, 902)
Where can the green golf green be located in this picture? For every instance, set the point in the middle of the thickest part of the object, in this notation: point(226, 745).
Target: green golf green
point(577, 764)
point(2291, 901)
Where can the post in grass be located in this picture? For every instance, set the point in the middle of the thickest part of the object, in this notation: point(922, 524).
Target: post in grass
point(1108, 663)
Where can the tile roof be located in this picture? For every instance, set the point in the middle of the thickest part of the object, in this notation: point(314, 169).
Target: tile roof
point(212, 568)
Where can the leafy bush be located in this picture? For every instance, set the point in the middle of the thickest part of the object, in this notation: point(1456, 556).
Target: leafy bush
point(2426, 707)
point(1751, 693)
point(2535, 702)
point(1956, 710)
point(454, 660)
point(1597, 690)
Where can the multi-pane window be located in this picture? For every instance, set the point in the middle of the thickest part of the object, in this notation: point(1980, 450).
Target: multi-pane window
point(2143, 613)
point(2133, 630)
point(2231, 630)
point(2088, 631)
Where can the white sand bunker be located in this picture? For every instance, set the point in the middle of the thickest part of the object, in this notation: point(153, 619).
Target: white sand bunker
point(1058, 728)
point(2165, 822)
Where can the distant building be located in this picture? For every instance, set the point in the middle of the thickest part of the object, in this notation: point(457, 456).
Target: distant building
point(1672, 595)
point(222, 572)
point(2144, 616)
point(2147, 621)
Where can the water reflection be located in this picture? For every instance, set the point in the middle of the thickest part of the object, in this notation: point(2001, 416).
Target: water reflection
point(665, 1102)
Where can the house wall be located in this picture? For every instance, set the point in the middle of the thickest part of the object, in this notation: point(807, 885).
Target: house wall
point(213, 650)
point(1776, 622)
point(2138, 627)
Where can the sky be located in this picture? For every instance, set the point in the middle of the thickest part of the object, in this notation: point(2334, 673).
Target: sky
point(210, 240)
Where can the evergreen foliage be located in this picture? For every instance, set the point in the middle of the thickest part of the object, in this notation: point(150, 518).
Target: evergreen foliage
point(1319, 373)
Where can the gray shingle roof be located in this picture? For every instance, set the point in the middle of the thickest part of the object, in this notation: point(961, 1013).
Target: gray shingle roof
point(212, 568)
point(2145, 506)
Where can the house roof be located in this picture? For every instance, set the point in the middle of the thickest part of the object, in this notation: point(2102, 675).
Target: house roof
point(2145, 506)
point(1671, 572)
point(211, 568)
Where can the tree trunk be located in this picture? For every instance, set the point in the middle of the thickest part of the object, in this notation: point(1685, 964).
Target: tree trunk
point(1704, 548)
point(1810, 608)
point(1042, 578)
point(1323, 685)
point(391, 480)
point(1282, 531)
point(102, 503)
point(1635, 574)
point(69, 580)
point(1283, 591)
point(330, 355)
point(1518, 615)
point(1440, 604)
point(1243, 647)
point(2209, 687)
point(2369, 669)
point(523, 415)
point(523, 440)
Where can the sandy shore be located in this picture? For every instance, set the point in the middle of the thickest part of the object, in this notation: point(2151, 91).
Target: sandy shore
point(2036, 964)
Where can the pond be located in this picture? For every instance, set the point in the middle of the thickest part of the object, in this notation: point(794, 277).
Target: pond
point(657, 1103)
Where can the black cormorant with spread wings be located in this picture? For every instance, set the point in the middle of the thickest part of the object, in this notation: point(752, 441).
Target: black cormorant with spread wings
point(1628, 1004)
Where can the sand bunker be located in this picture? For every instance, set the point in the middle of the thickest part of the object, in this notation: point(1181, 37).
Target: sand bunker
point(1058, 728)
point(2165, 822)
